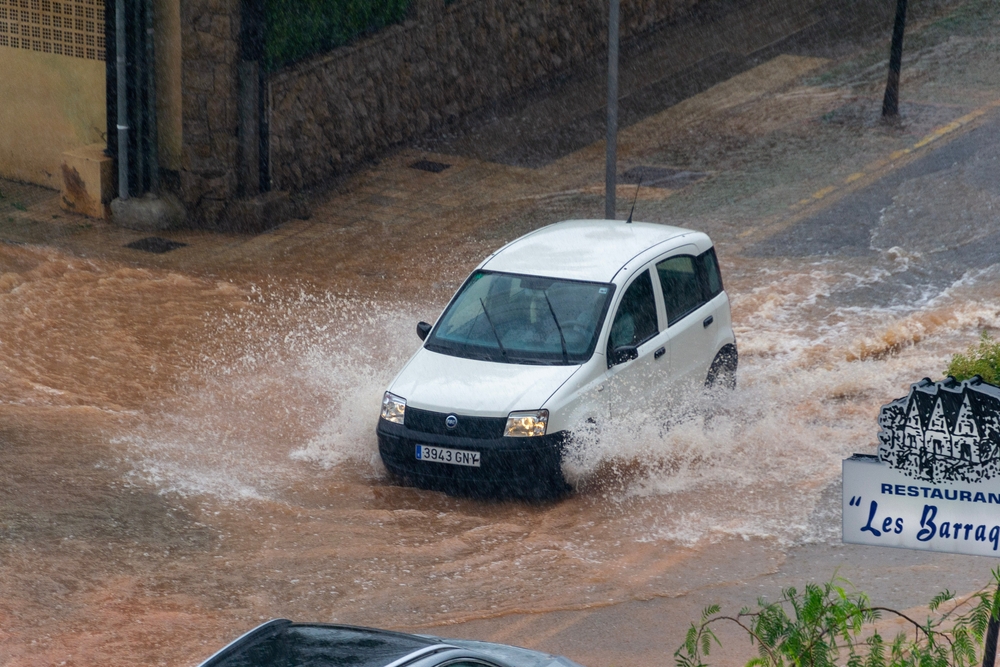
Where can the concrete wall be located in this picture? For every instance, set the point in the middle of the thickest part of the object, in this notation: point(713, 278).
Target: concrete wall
point(336, 110)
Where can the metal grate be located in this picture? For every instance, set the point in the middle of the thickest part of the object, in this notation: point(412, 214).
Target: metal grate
point(74, 29)
point(430, 165)
point(155, 244)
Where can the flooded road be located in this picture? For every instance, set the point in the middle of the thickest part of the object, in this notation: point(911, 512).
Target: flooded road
point(185, 453)
point(184, 456)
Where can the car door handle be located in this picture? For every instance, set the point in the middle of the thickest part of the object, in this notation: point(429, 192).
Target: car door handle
point(708, 321)
point(659, 353)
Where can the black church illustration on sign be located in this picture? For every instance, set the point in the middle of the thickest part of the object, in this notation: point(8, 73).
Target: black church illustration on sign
point(947, 431)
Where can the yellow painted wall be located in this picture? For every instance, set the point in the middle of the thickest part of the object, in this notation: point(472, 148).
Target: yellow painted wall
point(48, 104)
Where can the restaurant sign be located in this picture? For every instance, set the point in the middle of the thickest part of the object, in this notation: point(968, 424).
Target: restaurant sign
point(935, 483)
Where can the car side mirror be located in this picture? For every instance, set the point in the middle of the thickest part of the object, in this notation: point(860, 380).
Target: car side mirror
point(423, 329)
point(624, 353)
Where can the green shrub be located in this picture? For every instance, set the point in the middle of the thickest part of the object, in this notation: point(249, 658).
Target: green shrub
point(982, 360)
point(825, 626)
point(299, 28)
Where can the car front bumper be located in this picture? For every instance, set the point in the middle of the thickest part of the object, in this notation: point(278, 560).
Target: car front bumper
point(507, 466)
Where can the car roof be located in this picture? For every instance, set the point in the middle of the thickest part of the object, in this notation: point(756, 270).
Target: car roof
point(594, 250)
point(282, 643)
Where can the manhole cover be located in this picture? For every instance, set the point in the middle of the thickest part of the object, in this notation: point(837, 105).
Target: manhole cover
point(661, 177)
point(429, 165)
point(155, 244)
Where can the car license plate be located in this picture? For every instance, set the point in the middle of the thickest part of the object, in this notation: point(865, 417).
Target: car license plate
point(458, 457)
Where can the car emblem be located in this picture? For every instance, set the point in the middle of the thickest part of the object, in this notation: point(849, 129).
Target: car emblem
point(451, 421)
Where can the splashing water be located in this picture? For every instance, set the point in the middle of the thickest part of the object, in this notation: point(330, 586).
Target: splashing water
point(289, 379)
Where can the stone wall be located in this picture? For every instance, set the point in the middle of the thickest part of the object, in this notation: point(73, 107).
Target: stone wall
point(333, 111)
point(207, 179)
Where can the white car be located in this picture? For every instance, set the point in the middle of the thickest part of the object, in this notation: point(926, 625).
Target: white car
point(570, 324)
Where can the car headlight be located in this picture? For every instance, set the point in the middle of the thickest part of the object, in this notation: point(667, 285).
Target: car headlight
point(526, 424)
point(393, 408)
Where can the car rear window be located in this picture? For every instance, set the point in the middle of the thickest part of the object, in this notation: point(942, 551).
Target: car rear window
point(319, 646)
point(713, 279)
point(511, 655)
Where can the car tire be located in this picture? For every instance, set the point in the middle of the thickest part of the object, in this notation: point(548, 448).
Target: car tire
point(722, 373)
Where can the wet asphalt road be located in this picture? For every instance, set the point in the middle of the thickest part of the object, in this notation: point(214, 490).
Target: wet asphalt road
point(940, 212)
point(845, 228)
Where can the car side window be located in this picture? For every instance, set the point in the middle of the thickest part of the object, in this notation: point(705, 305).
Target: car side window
point(635, 321)
point(682, 289)
point(710, 270)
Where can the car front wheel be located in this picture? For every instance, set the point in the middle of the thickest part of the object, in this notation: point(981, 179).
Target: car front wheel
point(722, 373)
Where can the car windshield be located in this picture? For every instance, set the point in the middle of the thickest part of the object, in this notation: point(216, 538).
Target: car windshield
point(522, 319)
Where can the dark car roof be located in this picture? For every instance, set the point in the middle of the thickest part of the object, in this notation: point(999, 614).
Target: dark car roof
point(282, 643)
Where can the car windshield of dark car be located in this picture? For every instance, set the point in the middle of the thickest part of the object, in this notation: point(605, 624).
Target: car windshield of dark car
point(522, 319)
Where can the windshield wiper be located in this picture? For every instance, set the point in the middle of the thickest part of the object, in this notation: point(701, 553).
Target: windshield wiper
point(562, 339)
point(495, 334)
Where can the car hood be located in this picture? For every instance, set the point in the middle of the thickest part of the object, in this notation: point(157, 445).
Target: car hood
point(442, 383)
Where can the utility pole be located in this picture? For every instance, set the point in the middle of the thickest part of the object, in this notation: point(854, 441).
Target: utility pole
point(890, 103)
point(122, 105)
point(611, 159)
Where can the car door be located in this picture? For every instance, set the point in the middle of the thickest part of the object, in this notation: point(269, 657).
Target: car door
point(636, 322)
point(691, 322)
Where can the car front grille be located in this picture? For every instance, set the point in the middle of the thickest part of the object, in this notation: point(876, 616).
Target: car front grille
point(480, 428)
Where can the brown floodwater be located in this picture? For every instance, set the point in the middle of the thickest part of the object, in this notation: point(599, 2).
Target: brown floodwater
point(183, 456)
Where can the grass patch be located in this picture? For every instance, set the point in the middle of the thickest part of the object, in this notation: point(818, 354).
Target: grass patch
point(982, 359)
point(971, 18)
point(297, 29)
